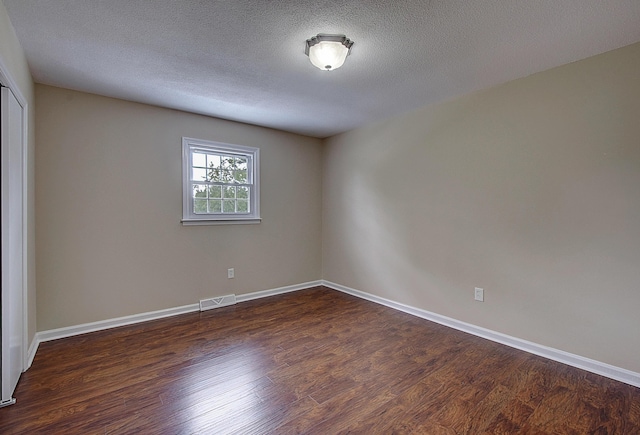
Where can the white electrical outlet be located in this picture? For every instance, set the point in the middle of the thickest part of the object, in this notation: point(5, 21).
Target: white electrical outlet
point(479, 294)
point(231, 273)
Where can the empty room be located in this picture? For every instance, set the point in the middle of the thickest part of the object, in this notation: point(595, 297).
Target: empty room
point(320, 217)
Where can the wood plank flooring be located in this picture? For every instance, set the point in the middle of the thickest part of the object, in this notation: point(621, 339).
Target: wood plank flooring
point(315, 361)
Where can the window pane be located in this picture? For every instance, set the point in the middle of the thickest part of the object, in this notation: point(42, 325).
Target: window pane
point(229, 192)
point(199, 206)
point(198, 174)
point(215, 206)
point(243, 206)
point(240, 176)
point(199, 160)
point(213, 174)
point(215, 192)
point(227, 162)
point(229, 205)
point(243, 192)
point(199, 191)
point(213, 161)
point(241, 163)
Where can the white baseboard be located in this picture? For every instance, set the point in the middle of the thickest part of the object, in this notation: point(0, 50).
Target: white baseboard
point(597, 367)
point(31, 353)
point(277, 291)
point(70, 331)
point(593, 366)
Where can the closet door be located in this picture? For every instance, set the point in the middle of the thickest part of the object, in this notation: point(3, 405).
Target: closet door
point(12, 244)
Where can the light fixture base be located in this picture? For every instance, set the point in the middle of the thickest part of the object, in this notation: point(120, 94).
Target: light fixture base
point(328, 52)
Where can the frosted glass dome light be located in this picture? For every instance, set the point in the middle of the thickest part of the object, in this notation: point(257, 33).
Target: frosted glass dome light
point(328, 52)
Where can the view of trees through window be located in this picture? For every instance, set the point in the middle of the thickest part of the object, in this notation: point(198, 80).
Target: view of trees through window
point(221, 183)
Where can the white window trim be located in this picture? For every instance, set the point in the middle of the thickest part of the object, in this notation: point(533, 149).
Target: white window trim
point(190, 218)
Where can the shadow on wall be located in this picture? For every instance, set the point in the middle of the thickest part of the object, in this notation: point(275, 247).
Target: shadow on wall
point(496, 190)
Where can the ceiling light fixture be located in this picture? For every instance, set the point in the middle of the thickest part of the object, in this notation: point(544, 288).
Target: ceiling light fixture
point(328, 52)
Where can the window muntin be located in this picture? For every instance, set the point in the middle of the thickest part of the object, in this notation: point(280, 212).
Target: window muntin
point(220, 182)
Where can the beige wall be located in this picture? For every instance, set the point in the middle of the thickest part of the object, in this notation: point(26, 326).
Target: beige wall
point(13, 59)
point(109, 197)
point(530, 190)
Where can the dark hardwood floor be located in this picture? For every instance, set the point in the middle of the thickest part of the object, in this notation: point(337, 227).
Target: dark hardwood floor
point(315, 361)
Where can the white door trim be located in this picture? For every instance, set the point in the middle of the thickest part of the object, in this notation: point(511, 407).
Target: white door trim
point(7, 80)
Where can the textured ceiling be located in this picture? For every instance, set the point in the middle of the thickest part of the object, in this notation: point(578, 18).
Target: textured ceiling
point(244, 59)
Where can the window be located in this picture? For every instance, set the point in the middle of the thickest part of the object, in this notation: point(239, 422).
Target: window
point(220, 183)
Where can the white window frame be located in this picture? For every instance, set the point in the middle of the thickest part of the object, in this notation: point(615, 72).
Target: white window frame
point(189, 217)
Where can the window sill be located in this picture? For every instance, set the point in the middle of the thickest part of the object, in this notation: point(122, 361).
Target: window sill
point(193, 222)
